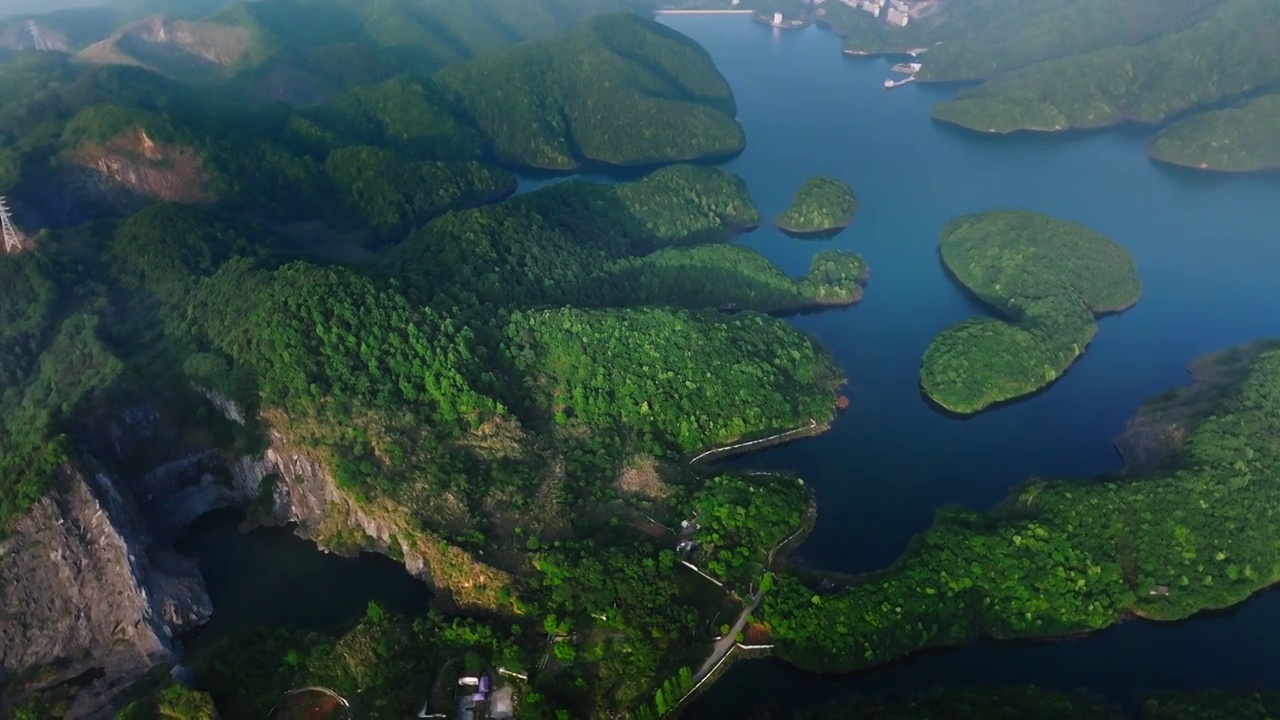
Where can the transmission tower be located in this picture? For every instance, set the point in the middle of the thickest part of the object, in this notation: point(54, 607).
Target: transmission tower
point(12, 240)
point(34, 29)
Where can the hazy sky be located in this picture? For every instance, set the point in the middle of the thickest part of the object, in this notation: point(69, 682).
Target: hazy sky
point(27, 7)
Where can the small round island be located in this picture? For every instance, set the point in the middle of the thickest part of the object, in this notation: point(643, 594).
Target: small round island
point(821, 209)
point(1046, 280)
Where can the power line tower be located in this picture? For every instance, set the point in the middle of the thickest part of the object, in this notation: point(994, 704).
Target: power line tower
point(12, 240)
point(34, 29)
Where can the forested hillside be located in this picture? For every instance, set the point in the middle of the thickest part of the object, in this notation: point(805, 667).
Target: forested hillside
point(302, 51)
point(1227, 54)
point(507, 385)
point(618, 89)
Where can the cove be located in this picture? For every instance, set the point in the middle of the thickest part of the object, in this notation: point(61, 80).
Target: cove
point(269, 576)
point(1204, 253)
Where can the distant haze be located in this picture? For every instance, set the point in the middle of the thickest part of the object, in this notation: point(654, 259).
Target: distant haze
point(186, 8)
point(32, 7)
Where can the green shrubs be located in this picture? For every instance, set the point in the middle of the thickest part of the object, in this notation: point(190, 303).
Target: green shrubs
point(1047, 278)
point(174, 702)
point(822, 206)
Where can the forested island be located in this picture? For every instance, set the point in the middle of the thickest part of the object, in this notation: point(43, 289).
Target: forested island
point(1047, 280)
point(1146, 61)
point(821, 207)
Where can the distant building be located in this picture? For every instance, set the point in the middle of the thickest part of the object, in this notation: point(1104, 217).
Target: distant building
point(897, 17)
point(777, 18)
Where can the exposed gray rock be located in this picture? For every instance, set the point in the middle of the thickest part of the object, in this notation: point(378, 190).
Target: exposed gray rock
point(308, 496)
point(229, 408)
point(180, 491)
point(84, 595)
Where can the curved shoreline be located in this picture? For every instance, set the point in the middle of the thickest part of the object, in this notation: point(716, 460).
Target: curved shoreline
point(1209, 169)
point(750, 446)
point(825, 233)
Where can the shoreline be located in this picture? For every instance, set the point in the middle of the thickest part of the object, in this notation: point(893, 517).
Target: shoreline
point(1205, 168)
point(826, 233)
point(814, 428)
point(811, 306)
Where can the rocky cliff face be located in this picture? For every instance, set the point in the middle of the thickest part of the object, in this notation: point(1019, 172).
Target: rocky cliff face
point(132, 168)
point(86, 598)
point(304, 491)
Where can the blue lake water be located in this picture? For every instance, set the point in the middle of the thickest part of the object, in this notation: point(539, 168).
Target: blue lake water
point(1207, 252)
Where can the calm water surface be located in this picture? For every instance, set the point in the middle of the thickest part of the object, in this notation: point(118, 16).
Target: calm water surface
point(1206, 249)
point(272, 577)
point(1207, 254)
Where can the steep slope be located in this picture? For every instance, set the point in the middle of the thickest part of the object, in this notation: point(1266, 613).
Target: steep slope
point(175, 47)
point(85, 599)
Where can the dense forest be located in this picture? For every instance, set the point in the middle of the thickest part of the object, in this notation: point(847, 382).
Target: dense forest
point(1046, 279)
point(480, 372)
point(618, 90)
point(306, 236)
point(1241, 138)
point(661, 240)
point(1061, 557)
point(821, 205)
point(1152, 82)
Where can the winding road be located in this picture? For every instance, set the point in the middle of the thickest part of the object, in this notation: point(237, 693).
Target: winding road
point(726, 643)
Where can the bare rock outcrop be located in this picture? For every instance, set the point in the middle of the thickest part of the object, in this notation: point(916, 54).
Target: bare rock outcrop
point(172, 46)
point(132, 168)
point(85, 598)
point(304, 492)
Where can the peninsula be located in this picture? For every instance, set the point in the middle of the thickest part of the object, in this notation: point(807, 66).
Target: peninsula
point(821, 208)
point(1064, 557)
point(1241, 138)
point(1047, 280)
